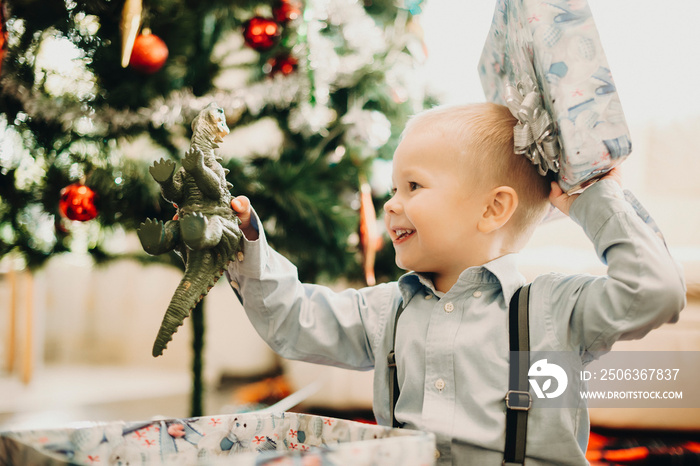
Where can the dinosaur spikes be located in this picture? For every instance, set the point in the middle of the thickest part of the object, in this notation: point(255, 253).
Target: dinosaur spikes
point(226, 171)
point(195, 285)
point(228, 185)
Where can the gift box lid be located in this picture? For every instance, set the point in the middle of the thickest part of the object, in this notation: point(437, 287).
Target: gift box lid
point(544, 59)
point(254, 439)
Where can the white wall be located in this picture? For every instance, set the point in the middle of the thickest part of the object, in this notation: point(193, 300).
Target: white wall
point(652, 49)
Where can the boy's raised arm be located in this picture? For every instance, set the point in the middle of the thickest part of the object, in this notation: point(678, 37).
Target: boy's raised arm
point(644, 286)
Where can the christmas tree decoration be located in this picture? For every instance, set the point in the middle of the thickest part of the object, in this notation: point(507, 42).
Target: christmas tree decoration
point(283, 64)
point(149, 53)
point(370, 239)
point(129, 27)
point(3, 33)
point(77, 202)
point(285, 11)
point(367, 131)
point(261, 33)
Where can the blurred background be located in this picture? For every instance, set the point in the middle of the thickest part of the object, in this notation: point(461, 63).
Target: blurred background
point(315, 115)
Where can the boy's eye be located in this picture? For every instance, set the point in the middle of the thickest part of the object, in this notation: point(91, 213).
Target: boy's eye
point(412, 185)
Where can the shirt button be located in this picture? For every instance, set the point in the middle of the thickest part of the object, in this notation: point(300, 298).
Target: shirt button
point(449, 307)
point(428, 296)
point(477, 294)
point(439, 384)
point(437, 454)
point(240, 256)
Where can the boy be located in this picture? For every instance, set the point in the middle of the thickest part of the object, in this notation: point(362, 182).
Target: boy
point(463, 205)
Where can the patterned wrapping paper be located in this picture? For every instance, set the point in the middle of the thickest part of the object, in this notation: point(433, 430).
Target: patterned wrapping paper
point(555, 44)
point(240, 439)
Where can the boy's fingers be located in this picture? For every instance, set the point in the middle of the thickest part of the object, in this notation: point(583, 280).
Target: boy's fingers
point(560, 199)
point(240, 204)
point(556, 189)
point(615, 174)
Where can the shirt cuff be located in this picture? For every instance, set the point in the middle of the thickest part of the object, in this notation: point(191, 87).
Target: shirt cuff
point(254, 253)
point(597, 204)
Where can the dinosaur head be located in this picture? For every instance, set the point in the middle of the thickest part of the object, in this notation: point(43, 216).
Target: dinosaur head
point(209, 126)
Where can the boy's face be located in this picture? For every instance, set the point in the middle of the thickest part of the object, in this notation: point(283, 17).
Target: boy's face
point(433, 215)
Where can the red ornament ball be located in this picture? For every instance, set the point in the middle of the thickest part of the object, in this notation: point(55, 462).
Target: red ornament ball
point(287, 10)
point(77, 202)
point(149, 53)
point(285, 64)
point(3, 33)
point(261, 33)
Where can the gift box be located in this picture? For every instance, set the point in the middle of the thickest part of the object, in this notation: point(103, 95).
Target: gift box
point(241, 439)
point(544, 60)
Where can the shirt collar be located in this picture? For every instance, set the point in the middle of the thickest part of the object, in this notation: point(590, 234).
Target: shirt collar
point(505, 269)
point(502, 270)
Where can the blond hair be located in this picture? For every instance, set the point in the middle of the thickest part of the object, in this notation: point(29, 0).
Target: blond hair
point(482, 135)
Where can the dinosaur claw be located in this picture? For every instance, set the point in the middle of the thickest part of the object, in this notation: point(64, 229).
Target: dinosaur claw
point(193, 159)
point(151, 234)
point(162, 170)
point(193, 228)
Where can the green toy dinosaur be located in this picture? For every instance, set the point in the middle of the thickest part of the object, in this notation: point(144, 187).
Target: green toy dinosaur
point(205, 231)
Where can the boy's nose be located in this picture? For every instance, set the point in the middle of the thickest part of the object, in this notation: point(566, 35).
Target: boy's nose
point(392, 206)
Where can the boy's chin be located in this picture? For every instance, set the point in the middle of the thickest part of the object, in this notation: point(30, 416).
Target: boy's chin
point(409, 267)
point(401, 265)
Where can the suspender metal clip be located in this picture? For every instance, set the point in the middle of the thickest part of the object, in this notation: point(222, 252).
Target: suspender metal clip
point(518, 400)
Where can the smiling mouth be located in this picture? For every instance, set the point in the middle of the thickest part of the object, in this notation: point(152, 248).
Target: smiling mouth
point(402, 235)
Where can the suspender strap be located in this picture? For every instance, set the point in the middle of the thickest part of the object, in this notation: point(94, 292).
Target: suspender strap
point(518, 398)
point(393, 377)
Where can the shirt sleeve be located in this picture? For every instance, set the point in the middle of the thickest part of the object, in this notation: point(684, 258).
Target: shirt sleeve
point(304, 321)
point(644, 286)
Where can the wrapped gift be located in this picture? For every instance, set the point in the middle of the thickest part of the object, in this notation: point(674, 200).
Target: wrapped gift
point(545, 61)
point(240, 439)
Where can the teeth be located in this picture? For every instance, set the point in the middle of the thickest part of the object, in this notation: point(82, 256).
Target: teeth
point(400, 233)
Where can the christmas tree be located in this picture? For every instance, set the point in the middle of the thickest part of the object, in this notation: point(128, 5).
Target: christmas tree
point(316, 94)
point(324, 86)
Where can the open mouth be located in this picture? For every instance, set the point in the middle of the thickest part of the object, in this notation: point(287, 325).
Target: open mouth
point(403, 234)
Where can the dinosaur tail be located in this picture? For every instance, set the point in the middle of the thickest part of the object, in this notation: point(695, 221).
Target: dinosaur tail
point(200, 276)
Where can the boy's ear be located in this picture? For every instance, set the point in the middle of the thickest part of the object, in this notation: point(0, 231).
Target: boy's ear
point(500, 207)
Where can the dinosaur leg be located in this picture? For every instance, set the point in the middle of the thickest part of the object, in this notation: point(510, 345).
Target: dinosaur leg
point(231, 237)
point(200, 232)
point(158, 238)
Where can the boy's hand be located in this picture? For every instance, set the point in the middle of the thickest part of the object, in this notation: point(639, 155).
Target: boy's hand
point(241, 205)
point(563, 201)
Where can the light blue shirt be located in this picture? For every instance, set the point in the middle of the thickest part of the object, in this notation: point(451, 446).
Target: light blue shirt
point(452, 350)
